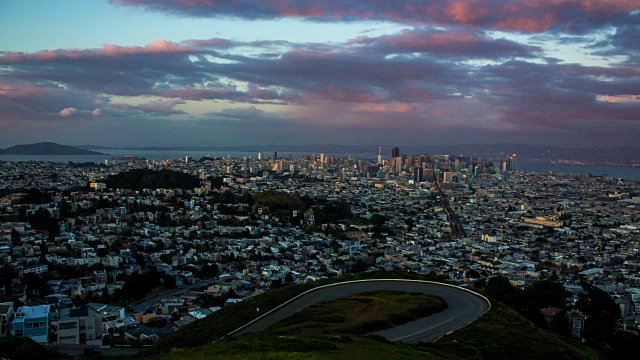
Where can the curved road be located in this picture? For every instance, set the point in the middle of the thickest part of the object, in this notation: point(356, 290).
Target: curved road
point(464, 307)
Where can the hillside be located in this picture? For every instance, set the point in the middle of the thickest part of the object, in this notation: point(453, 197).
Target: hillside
point(501, 333)
point(46, 148)
point(337, 330)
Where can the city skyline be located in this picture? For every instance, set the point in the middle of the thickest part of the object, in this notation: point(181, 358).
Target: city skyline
point(178, 73)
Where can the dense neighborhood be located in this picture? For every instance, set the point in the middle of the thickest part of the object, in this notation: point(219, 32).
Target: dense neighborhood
point(110, 254)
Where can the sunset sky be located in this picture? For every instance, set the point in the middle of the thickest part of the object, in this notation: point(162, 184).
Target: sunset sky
point(217, 73)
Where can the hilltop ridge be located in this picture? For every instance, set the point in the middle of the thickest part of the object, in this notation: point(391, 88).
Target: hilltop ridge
point(46, 148)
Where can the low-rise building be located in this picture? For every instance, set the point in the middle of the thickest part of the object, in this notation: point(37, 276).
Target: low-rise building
point(6, 310)
point(33, 322)
point(82, 325)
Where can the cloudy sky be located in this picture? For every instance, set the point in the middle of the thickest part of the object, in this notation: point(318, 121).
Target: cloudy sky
point(232, 72)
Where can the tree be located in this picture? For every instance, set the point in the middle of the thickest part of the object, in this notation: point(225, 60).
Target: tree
point(473, 274)
point(602, 312)
point(500, 288)
point(15, 237)
point(65, 209)
point(288, 278)
point(545, 293)
point(232, 294)
point(480, 283)
point(7, 274)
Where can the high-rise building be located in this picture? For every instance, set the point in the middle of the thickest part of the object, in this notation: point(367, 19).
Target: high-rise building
point(417, 174)
point(260, 156)
point(380, 155)
point(427, 174)
point(275, 155)
point(512, 162)
point(395, 152)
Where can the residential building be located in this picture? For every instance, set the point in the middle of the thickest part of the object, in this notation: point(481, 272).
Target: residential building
point(6, 310)
point(82, 325)
point(33, 322)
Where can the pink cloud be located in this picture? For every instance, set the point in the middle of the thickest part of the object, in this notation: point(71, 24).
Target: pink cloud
point(618, 98)
point(525, 15)
point(462, 43)
point(394, 107)
point(216, 43)
point(68, 112)
point(108, 50)
point(96, 113)
point(12, 90)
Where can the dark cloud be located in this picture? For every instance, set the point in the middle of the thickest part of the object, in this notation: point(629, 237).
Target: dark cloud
point(625, 40)
point(424, 81)
point(464, 44)
point(530, 16)
point(43, 100)
point(562, 96)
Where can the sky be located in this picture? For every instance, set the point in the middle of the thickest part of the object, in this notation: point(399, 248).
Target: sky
point(268, 72)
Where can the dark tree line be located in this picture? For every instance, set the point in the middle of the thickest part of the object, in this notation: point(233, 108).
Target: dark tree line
point(43, 220)
point(602, 311)
point(139, 179)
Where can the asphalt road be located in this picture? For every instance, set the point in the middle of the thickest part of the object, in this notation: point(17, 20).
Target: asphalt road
point(75, 350)
point(464, 307)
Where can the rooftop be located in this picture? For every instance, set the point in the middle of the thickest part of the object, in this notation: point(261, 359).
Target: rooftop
point(34, 311)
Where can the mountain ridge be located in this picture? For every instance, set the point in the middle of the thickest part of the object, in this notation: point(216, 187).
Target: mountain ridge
point(46, 148)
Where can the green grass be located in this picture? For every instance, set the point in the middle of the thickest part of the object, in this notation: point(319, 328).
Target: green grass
point(504, 334)
point(360, 314)
point(500, 334)
point(219, 324)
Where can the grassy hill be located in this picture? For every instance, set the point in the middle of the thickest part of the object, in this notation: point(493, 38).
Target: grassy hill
point(499, 334)
point(337, 330)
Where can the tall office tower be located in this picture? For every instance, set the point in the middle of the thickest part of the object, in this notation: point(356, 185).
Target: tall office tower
point(395, 152)
point(380, 155)
point(427, 174)
point(447, 176)
point(512, 162)
point(417, 174)
point(260, 156)
point(322, 157)
point(275, 155)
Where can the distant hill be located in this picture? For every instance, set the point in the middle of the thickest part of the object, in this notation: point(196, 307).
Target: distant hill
point(46, 148)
